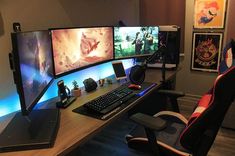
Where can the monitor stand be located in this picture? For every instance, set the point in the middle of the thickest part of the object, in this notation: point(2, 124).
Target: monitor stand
point(38, 130)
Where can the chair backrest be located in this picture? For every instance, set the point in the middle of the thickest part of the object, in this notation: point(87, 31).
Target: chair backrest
point(204, 124)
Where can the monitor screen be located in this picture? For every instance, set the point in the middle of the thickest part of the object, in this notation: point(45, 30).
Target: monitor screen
point(33, 66)
point(135, 41)
point(76, 48)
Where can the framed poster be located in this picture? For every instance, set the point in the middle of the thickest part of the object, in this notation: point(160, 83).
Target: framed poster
point(209, 13)
point(206, 51)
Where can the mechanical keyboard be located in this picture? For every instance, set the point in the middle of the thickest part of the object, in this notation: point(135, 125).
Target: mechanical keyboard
point(110, 100)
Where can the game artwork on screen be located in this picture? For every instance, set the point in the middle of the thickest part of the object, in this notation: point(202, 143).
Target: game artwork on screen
point(34, 49)
point(79, 47)
point(135, 41)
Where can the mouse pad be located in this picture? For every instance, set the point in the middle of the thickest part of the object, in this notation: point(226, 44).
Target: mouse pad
point(135, 95)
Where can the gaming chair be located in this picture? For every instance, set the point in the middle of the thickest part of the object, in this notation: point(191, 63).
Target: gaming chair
point(170, 133)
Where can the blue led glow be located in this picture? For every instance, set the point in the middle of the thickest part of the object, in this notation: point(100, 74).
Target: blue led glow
point(11, 102)
point(145, 90)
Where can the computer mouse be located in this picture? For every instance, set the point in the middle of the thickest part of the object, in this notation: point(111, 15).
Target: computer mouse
point(134, 87)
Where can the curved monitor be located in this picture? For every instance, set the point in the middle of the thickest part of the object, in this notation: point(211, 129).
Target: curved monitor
point(132, 42)
point(76, 48)
point(33, 66)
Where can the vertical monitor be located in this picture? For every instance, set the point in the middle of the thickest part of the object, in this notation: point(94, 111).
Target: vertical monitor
point(33, 68)
point(138, 41)
point(169, 36)
point(76, 48)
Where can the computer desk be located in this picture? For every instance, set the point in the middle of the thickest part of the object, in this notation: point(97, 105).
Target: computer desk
point(75, 128)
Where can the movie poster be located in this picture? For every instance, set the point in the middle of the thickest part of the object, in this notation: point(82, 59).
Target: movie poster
point(209, 13)
point(206, 51)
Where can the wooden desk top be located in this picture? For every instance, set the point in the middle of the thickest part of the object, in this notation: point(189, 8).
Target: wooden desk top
point(76, 128)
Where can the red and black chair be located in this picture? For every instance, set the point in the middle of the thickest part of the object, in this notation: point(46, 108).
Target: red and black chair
point(170, 133)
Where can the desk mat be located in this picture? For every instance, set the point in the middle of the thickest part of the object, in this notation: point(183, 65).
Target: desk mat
point(136, 94)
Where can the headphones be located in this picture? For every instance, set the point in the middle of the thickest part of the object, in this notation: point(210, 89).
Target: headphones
point(137, 72)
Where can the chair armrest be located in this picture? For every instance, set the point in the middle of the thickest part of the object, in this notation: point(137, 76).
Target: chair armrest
point(171, 93)
point(177, 116)
point(148, 121)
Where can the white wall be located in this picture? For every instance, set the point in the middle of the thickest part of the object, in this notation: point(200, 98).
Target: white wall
point(44, 14)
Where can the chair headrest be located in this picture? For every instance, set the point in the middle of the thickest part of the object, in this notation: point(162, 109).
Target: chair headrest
point(228, 57)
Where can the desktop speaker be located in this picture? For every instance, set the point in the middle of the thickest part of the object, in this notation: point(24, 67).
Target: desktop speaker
point(89, 84)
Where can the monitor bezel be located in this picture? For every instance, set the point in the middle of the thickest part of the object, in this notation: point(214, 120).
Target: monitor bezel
point(83, 67)
point(133, 56)
point(25, 110)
